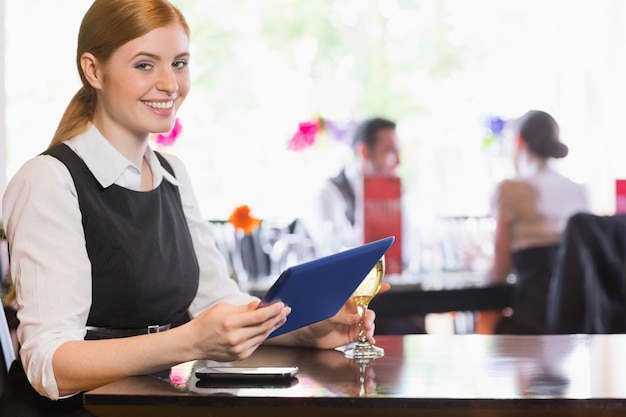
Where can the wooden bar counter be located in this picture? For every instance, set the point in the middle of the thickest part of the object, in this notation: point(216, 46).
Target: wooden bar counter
point(429, 375)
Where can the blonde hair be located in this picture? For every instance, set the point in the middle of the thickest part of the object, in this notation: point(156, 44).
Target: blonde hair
point(107, 25)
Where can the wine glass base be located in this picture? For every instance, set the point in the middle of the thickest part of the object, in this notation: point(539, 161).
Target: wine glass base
point(364, 351)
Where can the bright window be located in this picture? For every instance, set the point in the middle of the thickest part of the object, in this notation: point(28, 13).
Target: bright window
point(437, 67)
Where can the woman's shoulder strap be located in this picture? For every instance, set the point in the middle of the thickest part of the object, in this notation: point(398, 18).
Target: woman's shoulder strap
point(165, 164)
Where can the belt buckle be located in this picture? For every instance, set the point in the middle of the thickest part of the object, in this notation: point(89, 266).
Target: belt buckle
point(154, 328)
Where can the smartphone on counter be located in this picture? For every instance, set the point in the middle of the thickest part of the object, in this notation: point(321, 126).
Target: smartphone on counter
point(244, 373)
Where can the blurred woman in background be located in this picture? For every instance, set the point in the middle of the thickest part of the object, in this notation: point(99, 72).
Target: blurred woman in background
point(531, 212)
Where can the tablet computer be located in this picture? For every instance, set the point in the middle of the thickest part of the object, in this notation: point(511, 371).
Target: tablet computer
point(316, 290)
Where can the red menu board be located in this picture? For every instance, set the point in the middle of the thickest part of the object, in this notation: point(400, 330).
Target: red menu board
point(620, 196)
point(382, 217)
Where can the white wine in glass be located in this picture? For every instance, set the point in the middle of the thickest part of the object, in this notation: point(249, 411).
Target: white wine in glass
point(362, 297)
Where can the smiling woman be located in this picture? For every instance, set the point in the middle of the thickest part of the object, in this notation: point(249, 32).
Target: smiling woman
point(136, 284)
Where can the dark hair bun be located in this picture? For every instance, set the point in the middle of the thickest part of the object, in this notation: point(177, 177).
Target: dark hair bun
point(541, 133)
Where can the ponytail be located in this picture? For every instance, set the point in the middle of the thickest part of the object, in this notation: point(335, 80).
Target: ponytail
point(77, 115)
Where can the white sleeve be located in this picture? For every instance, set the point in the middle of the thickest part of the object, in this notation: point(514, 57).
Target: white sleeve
point(49, 265)
point(215, 284)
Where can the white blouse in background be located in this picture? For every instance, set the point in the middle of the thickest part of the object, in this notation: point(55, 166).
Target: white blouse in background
point(537, 207)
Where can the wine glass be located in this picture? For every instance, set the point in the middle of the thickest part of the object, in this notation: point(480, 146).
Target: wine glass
point(362, 297)
point(367, 383)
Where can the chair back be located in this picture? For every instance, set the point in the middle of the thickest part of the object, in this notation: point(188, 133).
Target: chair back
point(588, 289)
point(272, 247)
point(244, 253)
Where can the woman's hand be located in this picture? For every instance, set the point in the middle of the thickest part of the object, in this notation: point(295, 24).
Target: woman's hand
point(227, 332)
point(341, 329)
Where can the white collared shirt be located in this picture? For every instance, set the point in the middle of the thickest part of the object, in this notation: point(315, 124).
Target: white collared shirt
point(328, 224)
point(49, 262)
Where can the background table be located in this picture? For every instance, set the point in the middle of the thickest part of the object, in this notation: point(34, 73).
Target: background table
point(439, 292)
point(475, 375)
point(456, 292)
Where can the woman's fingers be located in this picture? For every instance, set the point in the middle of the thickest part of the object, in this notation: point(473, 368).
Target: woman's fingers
point(252, 317)
point(232, 332)
point(369, 321)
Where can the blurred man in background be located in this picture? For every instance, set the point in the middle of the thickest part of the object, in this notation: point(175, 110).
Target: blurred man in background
point(343, 213)
point(339, 206)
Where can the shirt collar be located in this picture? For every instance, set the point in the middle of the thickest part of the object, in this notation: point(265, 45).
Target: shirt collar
point(156, 166)
point(354, 175)
point(107, 164)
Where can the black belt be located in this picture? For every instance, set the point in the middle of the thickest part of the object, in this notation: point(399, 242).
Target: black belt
point(114, 333)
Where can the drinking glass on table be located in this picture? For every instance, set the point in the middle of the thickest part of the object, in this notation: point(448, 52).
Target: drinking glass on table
point(362, 297)
point(366, 377)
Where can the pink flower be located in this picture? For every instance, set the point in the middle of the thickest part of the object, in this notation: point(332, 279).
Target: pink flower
point(168, 139)
point(305, 135)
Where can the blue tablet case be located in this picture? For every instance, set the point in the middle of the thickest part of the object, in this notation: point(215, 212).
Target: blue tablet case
point(316, 290)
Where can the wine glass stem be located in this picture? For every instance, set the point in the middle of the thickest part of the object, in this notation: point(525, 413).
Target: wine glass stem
point(361, 311)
